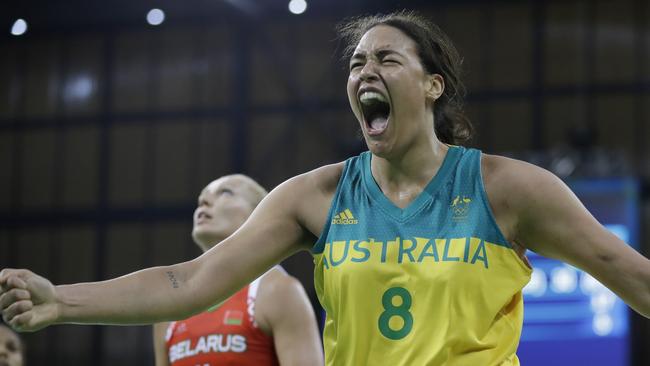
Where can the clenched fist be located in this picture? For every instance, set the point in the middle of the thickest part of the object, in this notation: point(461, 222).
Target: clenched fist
point(28, 300)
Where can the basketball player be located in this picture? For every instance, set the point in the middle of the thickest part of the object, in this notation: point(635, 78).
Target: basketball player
point(12, 350)
point(268, 322)
point(418, 243)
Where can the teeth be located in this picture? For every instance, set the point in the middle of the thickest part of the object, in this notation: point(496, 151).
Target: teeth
point(368, 96)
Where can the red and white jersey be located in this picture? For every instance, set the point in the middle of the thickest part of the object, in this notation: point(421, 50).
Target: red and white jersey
point(224, 335)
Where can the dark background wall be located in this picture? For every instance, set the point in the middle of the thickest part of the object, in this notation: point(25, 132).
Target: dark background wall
point(109, 127)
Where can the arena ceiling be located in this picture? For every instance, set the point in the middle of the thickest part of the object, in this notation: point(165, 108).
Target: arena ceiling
point(77, 15)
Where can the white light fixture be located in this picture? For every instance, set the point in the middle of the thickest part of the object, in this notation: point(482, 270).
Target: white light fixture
point(19, 27)
point(155, 16)
point(297, 6)
point(78, 88)
point(603, 325)
point(564, 280)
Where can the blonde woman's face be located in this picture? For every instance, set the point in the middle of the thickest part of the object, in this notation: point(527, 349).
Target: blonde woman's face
point(223, 206)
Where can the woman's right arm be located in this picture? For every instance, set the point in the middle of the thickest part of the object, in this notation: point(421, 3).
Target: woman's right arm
point(273, 232)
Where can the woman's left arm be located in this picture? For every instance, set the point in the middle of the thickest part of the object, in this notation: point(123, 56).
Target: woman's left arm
point(550, 220)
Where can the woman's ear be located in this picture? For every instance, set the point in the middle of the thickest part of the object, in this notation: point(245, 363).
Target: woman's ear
point(435, 87)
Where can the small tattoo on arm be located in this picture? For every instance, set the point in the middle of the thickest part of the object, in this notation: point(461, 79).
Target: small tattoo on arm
point(172, 279)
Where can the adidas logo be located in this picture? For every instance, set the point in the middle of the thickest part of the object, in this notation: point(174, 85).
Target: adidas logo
point(345, 218)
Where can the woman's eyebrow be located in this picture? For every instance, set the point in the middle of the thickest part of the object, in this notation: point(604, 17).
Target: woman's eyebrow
point(380, 53)
point(358, 56)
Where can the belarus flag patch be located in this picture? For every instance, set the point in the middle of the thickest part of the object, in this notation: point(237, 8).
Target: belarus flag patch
point(233, 317)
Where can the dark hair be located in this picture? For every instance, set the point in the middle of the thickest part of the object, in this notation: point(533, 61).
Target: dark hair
point(438, 56)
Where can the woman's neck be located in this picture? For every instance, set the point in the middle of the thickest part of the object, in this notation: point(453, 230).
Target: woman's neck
point(418, 164)
point(214, 241)
point(403, 178)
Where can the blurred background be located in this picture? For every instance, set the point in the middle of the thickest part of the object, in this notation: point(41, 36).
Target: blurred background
point(115, 114)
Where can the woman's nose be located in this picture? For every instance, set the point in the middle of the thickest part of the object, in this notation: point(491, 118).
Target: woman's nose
point(369, 72)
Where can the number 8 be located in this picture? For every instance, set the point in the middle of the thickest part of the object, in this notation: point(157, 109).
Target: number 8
point(401, 311)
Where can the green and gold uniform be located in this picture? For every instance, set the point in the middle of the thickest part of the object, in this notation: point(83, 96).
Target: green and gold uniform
point(435, 283)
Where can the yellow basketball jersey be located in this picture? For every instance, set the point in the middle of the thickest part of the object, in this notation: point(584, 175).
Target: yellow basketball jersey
point(435, 283)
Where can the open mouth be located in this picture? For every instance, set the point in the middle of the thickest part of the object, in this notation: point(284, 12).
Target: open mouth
point(376, 111)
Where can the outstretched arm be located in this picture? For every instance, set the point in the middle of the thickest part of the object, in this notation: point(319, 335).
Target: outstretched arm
point(272, 233)
point(551, 221)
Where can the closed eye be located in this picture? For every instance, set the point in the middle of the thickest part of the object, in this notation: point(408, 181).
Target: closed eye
point(354, 65)
point(226, 191)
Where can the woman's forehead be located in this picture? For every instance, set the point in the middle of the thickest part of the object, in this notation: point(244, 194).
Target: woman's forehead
point(232, 182)
point(384, 37)
point(216, 184)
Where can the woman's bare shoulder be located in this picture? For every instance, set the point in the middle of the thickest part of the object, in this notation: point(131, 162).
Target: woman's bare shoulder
point(510, 185)
point(309, 195)
point(326, 178)
point(321, 180)
point(508, 173)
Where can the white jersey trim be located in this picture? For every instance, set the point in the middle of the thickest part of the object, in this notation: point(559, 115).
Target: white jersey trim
point(253, 288)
